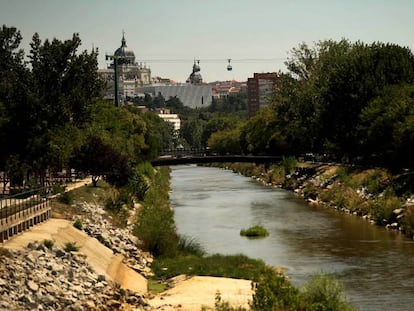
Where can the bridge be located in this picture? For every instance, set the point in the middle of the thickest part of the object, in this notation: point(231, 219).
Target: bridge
point(168, 160)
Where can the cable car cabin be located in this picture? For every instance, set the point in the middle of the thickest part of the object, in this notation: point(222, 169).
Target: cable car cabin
point(229, 68)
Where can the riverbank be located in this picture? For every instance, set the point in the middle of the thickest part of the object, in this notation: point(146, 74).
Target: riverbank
point(109, 271)
point(374, 194)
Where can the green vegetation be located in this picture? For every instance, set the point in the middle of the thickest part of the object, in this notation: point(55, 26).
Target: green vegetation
point(234, 266)
point(254, 232)
point(324, 292)
point(71, 247)
point(78, 224)
point(66, 197)
point(48, 243)
point(274, 292)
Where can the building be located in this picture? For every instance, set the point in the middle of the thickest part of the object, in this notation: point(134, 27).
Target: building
point(172, 118)
point(259, 90)
point(225, 88)
point(131, 74)
point(193, 94)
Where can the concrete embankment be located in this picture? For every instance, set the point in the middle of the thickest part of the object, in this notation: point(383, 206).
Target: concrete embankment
point(98, 256)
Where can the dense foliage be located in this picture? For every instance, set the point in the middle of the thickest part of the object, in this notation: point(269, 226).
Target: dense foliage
point(351, 101)
point(52, 116)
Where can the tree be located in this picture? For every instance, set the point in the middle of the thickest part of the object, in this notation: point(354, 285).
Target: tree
point(99, 159)
point(192, 130)
point(386, 127)
point(227, 141)
point(14, 97)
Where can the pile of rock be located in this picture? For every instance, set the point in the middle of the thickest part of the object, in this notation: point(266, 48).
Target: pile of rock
point(96, 223)
point(39, 278)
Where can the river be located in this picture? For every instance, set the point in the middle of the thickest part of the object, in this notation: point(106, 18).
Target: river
point(376, 266)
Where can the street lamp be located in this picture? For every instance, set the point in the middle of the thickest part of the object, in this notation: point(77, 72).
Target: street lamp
point(116, 59)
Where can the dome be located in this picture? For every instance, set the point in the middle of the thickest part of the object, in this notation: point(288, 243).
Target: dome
point(124, 53)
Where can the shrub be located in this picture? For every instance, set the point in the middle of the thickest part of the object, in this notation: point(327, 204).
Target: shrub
point(255, 231)
point(273, 291)
point(66, 198)
point(289, 164)
point(156, 229)
point(383, 209)
point(48, 243)
point(155, 225)
point(408, 221)
point(78, 224)
point(323, 293)
point(71, 247)
point(58, 188)
point(189, 246)
point(232, 266)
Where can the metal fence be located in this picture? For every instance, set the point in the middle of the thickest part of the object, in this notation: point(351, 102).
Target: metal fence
point(22, 210)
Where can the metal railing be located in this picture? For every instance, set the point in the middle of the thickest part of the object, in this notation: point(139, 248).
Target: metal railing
point(23, 203)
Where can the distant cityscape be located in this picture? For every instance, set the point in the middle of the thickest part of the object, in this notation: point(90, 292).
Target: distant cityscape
point(134, 79)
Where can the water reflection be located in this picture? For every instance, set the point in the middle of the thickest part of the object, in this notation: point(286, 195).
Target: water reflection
point(375, 265)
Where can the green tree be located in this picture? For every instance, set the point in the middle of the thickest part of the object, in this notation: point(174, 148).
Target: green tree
point(386, 127)
point(99, 159)
point(192, 130)
point(227, 141)
point(14, 98)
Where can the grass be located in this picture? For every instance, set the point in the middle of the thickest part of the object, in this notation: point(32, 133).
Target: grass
point(254, 232)
point(71, 247)
point(233, 266)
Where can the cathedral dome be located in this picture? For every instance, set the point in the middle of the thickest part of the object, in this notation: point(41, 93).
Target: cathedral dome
point(124, 53)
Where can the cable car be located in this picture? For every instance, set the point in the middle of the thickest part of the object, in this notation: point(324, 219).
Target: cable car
point(229, 68)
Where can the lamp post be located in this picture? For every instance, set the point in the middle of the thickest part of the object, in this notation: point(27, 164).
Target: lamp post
point(115, 59)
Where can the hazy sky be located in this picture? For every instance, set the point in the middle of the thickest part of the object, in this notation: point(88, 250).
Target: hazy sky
point(169, 34)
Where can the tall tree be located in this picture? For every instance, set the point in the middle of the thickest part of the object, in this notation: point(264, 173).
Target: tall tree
point(14, 97)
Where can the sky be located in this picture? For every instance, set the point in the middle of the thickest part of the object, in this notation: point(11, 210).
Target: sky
point(168, 35)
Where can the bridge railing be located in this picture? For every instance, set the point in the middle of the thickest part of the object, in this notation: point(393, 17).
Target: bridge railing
point(20, 211)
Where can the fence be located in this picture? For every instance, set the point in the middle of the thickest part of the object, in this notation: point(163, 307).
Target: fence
point(23, 210)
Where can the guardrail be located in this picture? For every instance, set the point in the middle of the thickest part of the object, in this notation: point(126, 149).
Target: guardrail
point(23, 210)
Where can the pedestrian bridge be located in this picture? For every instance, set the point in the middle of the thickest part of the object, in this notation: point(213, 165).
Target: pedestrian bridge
point(201, 159)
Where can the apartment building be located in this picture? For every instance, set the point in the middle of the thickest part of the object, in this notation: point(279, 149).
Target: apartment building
point(259, 90)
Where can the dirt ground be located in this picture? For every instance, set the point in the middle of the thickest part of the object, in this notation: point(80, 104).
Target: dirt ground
point(193, 293)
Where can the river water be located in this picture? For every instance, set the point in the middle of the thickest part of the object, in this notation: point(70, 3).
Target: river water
point(375, 266)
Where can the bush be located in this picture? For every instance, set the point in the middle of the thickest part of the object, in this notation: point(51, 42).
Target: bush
point(273, 291)
point(66, 198)
point(48, 243)
point(232, 266)
point(155, 225)
point(383, 209)
point(156, 229)
point(189, 246)
point(324, 293)
point(254, 232)
point(78, 224)
point(58, 188)
point(71, 247)
point(289, 164)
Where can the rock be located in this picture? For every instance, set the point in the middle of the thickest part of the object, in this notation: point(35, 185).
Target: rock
point(398, 211)
point(60, 253)
point(32, 286)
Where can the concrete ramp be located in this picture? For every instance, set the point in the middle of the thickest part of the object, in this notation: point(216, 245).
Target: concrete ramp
point(101, 258)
